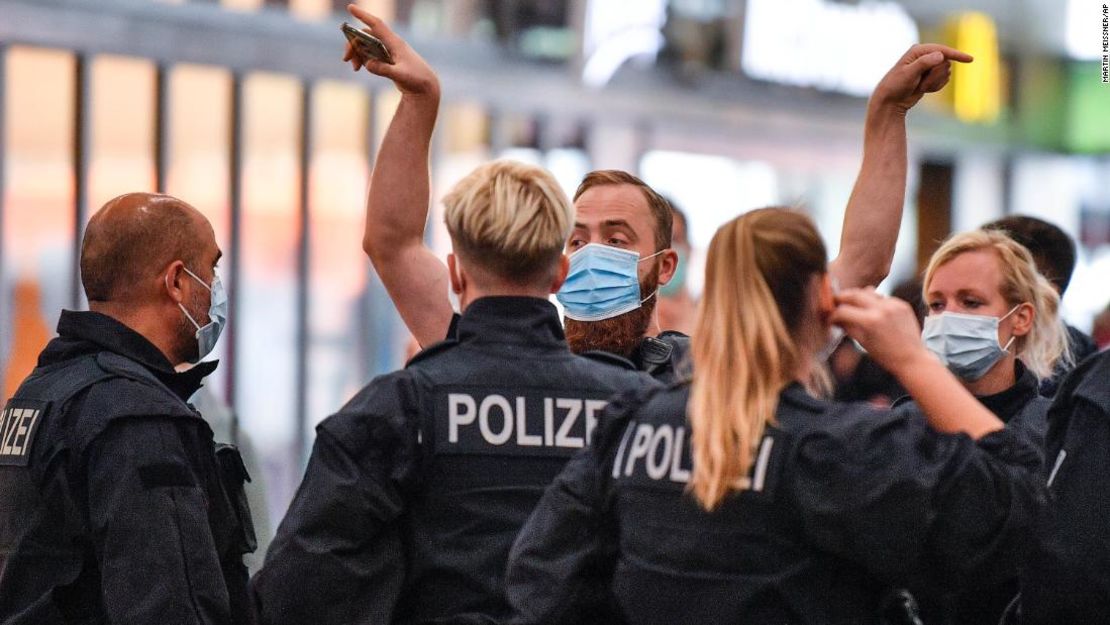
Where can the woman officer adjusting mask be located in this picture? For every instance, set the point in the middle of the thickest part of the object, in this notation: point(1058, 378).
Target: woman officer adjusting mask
point(993, 321)
point(742, 497)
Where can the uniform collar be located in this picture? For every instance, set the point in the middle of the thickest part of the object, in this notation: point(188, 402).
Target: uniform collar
point(1009, 402)
point(511, 319)
point(86, 327)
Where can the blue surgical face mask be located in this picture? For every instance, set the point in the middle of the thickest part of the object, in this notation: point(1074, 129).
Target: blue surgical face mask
point(603, 282)
point(967, 344)
point(209, 333)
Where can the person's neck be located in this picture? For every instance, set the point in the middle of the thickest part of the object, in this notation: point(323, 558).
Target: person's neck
point(144, 321)
point(1000, 377)
point(472, 294)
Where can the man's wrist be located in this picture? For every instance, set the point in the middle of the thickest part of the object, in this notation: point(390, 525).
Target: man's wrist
point(884, 110)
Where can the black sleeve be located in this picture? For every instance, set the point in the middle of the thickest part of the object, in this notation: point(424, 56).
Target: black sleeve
point(887, 491)
point(561, 565)
point(337, 555)
point(149, 522)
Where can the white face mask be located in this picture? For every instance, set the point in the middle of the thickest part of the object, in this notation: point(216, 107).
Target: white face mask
point(209, 333)
point(967, 344)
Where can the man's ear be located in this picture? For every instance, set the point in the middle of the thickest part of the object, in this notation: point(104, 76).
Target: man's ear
point(561, 273)
point(668, 263)
point(174, 278)
point(456, 277)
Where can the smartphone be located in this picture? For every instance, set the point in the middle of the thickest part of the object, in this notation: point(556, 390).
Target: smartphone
point(366, 45)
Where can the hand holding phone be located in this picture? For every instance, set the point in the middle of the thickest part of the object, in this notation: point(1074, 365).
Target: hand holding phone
point(366, 45)
point(387, 55)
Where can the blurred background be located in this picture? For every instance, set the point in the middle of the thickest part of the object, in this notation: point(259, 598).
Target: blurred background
point(244, 109)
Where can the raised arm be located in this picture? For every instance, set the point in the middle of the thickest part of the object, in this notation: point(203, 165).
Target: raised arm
point(397, 203)
point(874, 211)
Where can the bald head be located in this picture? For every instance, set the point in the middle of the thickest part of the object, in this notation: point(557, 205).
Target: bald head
point(129, 242)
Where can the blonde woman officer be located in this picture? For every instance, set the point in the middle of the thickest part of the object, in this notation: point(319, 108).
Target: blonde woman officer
point(992, 319)
point(742, 497)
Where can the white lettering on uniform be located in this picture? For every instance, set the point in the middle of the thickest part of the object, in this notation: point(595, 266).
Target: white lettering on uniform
point(548, 421)
point(27, 423)
point(15, 427)
point(620, 450)
point(593, 406)
point(489, 402)
point(560, 420)
point(663, 434)
point(8, 430)
point(678, 474)
point(573, 408)
point(641, 442)
point(662, 449)
point(760, 473)
point(456, 418)
point(522, 436)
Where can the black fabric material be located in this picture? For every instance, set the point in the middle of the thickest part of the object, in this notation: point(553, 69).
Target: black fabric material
point(1082, 346)
point(665, 357)
point(1067, 577)
point(120, 516)
point(416, 488)
point(845, 500)
point(1023, 410)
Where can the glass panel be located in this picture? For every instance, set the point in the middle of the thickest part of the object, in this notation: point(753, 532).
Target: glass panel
point(38, 228)
point(121, 156)
point(310, 9)
point(697, 182)
point(464, 139)
point(197, 173)
point(339, 360)
point(266, 325)
point(242, 5)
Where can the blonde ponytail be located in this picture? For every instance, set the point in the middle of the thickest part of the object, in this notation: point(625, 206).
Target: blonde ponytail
point(757, 272)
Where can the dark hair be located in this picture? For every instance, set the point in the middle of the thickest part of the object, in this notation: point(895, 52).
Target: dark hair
point(660, 207)
point(1052, 249)
point(678, 216)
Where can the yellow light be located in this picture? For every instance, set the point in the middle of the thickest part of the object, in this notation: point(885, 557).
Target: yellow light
point(975, 87)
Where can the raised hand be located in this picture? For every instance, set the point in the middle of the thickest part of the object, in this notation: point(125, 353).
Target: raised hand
point(886, 327)
point(409, 72)
point(924, 68)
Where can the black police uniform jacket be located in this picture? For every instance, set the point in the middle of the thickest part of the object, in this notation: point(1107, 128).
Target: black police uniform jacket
point(417, 487)
point(666, 357)
point(114, 503)
point(844, 501)
point(1067, 576)
point(1022, 409)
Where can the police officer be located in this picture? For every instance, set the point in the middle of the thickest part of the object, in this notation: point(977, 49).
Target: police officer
point(1066, 578)
point(741, 497)
point(609, 296)
point(992, 319)
point(417, 487)
point(117, 506)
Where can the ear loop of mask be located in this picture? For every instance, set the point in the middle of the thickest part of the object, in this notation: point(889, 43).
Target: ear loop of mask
point(179, 304)
point(656, 286)
point(1010, 342)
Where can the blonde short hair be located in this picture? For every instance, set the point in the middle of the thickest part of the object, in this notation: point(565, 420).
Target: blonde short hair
point(1046, 342)
point(509, 218)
